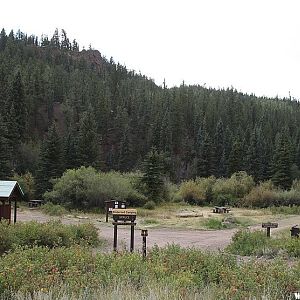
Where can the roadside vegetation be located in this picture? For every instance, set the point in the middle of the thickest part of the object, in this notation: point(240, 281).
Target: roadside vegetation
point(249, 243)
point(181, 273)
point(51, 234)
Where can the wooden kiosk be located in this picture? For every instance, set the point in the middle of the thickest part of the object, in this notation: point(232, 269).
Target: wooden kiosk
point(10, 192)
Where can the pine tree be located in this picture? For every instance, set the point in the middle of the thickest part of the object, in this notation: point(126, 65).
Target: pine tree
point(204, 153)
point(282, 162)
point(236, 157)
point(219, 149)
point(5, 168)
point(17, 98)
point(88, 141)
point(70, 151)
point(50, 162)
point(153, 171)
point(3, 40)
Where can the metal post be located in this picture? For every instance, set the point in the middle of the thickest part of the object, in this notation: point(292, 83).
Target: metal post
point(268, 231)
point(132, 237)
point(115, 237)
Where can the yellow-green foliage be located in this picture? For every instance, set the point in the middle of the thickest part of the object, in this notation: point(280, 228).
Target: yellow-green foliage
point(51, 234)
point(246, 242)
point(78, 270)
point(237, 186)
point(27, 184)
point(85, 187)
point(195, 191)
point(262, 195)
point(204, 190)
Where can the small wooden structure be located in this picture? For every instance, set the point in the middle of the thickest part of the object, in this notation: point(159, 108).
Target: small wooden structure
point(221, 209)
point(123, 216)
point(269, 225)
point(35, 203)
point(10, 191)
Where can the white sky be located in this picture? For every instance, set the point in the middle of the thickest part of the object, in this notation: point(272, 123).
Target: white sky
point(252, 45)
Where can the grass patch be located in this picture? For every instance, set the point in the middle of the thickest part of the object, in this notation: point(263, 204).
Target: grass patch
point(150, 222)
point(213, 224)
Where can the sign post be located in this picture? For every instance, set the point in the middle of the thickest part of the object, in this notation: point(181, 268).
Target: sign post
point(269, 226)
point(122, 216)
point(144, 234)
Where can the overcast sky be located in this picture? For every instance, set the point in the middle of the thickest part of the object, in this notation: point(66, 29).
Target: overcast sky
point(252, 45)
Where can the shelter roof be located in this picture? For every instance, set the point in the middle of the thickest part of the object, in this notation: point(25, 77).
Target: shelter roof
point(8, 187)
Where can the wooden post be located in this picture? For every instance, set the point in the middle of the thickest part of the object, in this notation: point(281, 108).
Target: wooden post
point(106, 218)
point(15, 212)
point(115, 237)
point(268, 231)
point(144, 234)
point(132, 237)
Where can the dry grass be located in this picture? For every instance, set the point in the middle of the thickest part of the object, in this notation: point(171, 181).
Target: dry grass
point(166, 215)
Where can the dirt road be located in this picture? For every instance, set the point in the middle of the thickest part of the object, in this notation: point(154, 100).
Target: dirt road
point(203, 239)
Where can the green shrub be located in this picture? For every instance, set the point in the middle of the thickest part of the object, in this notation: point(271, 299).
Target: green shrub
point(233, 188)
point(51, 234)
point(214, 224)
point(263, 195)
point(246, 242)
point(85, 187)
point(149, 205)
point(197, 191)
point(53, 209)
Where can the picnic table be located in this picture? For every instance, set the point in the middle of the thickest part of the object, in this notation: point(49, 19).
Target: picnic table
point(35, 203)
point(221, 209)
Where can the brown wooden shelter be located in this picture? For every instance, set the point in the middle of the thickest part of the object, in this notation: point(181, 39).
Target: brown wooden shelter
point(10, 192)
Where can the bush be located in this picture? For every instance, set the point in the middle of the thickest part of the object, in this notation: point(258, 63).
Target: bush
point(214, 224)
point(246, 242)
point(263, 195)
point(197, 191)
point(149, 205)
point(51, 234)
point(53, 209)
point(85, 188)
point(233, 188)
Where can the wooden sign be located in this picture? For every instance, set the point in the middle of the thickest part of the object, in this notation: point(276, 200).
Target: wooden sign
point(127, 214)
point(269, 225)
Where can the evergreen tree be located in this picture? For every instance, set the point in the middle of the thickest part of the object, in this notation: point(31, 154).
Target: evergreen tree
point(219, 150)
point(17, 99)
point(88, 141)
point(153, 171)
point(50, 161)
point(236, 157)
point(282, 162)
point(5, 168)
point(70, 151)
point(205, 165)
point(3, 39)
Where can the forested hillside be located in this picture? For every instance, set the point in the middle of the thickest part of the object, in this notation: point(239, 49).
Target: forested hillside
point(63, 108)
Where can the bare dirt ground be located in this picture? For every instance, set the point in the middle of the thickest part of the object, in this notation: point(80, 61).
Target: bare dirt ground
point(202, 239)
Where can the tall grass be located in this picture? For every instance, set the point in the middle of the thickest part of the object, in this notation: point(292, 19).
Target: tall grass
point(51, 234)
point(167, 273)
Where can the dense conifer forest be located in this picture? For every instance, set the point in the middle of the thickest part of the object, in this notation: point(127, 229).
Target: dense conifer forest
point(62, 108)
